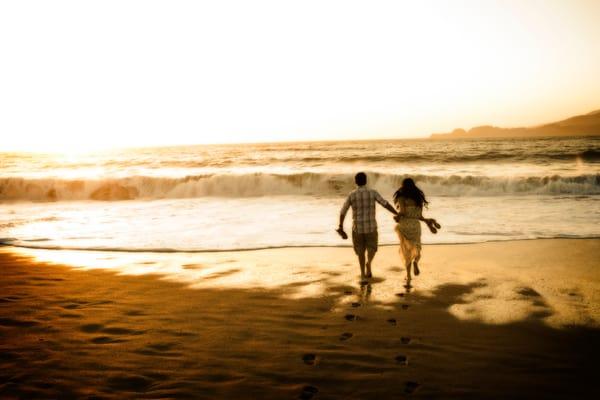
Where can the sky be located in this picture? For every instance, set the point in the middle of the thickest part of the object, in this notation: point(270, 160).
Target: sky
point(80, 75)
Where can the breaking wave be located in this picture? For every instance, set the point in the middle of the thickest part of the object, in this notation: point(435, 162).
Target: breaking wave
point(265, 184)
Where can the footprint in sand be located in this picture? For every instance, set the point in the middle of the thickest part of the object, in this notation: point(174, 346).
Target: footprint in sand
point(102, 303)
point(91, 328)
point(392, 321)
point(348, 292)
point(405, 306)
point(355, 304)
point(162, 346)
point(99, 328)
point(9, 299)
point(161, 349)
point(133, 383)
point(192, 266)
point(308, 392)
point(17, 323)
point(400, 294)
point(310, 359)
point(351, 317)
point(135, 313)
point(39, 278)
point(527, 292)
point(402, 359)
point(70, 315)
point(71, 306)
point(106, 340)
point(410, 387)
point(405, 340)
point(345, 336)
point(121, 331)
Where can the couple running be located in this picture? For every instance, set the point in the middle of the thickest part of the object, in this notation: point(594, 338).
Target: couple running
point(409, 201)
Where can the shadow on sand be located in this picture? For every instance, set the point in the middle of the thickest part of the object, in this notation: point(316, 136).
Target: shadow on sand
point(131, 337)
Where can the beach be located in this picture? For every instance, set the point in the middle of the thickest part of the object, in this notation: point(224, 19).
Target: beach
point(183, 186)
point(512, 319)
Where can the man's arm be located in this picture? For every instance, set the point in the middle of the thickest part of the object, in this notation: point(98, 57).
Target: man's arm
point(385, 204)
point(389, 207)
point(343, 212)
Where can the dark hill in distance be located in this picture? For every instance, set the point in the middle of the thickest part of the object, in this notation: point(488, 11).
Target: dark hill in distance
point(581, 125)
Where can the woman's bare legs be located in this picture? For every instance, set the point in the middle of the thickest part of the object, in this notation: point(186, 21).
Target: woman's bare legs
point(406, 254)
point(416, 261)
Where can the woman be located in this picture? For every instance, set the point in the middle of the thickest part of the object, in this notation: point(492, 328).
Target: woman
point(409, 201)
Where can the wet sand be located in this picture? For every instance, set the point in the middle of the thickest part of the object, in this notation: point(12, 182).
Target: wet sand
point(494, 320)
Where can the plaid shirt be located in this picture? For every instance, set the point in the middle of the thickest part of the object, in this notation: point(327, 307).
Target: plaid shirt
point(363, 201)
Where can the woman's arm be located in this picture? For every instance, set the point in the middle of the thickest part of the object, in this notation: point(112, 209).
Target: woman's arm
point(428, 221)
point(431, 223)
point(401, 209)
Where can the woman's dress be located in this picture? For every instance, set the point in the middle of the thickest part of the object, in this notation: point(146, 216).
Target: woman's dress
point(408, 228)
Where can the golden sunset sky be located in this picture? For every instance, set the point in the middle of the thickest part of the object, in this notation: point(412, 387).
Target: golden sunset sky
point(83, 74)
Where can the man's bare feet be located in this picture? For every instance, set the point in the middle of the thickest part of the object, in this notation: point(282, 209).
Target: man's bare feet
point(369, 273)
point(363, 278)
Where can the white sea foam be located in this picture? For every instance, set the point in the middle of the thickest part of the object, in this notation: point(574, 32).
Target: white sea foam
point(260, 184)
point(209, 224)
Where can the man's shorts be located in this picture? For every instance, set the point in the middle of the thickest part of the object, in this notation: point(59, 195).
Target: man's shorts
point(364, 241)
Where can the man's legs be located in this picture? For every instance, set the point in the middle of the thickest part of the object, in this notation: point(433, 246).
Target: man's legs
point(370, 256)
point(361, 262)
point(359, 243)
point(371, 240)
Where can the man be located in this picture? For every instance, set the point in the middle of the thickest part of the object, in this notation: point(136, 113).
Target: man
point(364, 225)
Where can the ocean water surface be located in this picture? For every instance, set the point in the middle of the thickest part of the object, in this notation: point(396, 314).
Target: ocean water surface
point(228, 197)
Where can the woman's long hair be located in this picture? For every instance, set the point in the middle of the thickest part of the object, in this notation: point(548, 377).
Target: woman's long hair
point(411, 191)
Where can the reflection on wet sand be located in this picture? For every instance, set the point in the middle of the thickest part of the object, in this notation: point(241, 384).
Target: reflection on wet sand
point(502, 294)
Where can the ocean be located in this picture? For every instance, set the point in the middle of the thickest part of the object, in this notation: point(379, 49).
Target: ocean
point(250, 196)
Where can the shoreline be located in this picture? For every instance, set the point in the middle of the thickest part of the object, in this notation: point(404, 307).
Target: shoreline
point(490, 320)
point(8, 245)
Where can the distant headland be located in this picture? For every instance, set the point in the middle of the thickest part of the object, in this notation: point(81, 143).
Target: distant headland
point(580, 125)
